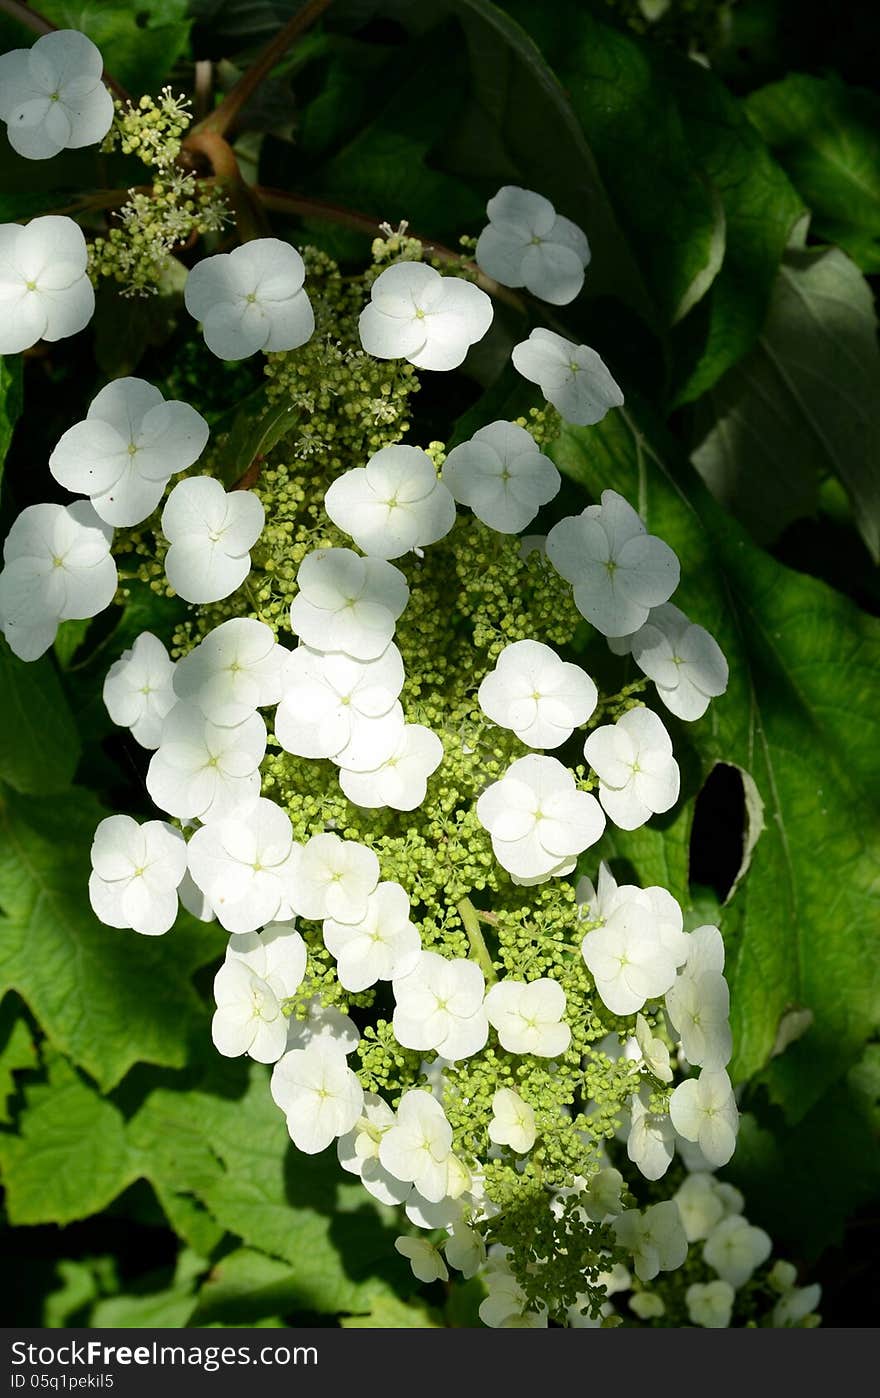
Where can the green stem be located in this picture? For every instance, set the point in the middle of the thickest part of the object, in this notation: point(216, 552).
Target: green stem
point(479, 950)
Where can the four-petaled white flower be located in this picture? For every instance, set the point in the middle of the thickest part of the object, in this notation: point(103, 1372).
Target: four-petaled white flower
point(710, 1304)
point(125, 451)
point(418, 1146)
point(540, 697)
point(393, 504)
point(527, 1016)
point(318, 1093)
point(668, 920)
point(652, 1052)
point(45, 293)
point(424, 1258)
point(251, 299)
point(502, 476)
point(703, 1110)
point(528, 244)
point(638, 775)
point(358, 1152)
point(686, 664)
point(57, 566)
point(571, 377)
point(795, 1305)
point(138, 690)
point(261, 971)
point(211, 532)
point(439, 1005)
point(382, 945)
point(617, 569)
point(628, 959)
point(401, 781)
point(538, 820)
point(698, 1007)
point(513, 1122)
point(136, 871)
point(735, 1248)
point(52, 97)
point(465, 1249)
point(650, 1144)
point(505, 1306)
point(700, 1204)
point(200, 770)
point(347, 603)
point(335, 879)
point(235, 670)
point(655, 1238)
point(246, 866)
point(414, 313)
point(330, 702)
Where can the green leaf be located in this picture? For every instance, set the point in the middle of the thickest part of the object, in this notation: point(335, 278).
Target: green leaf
point(616, 87)
point(800, 718)
point(71, 1157)
point(246, 1286)
point(10, 401)
point(826, 135)
point(390, 1313)
point(39, 743)
point(759, 209)
point(226, 1142)
point(18, 1052)
point(140, 43)
point(804, 403)
point(107, 998)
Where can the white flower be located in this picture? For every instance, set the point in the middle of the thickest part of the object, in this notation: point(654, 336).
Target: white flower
point(246, 866)
point(700, 1205)
point(703, 1110)
point(335, 879)
point(502, 476)
point(401, 781)
point(211, 533)
point(686, 664)
point(601, 1198)
point(796, 1305)
point(465, 1250)
point(513, 1122)
point(393, 504)
point(655, 1238)
point(260, 972)
point(318, 1093)
point(128, 447)
point(52, 97)
point(57, 567)
point(439, 1005)
point(347, 603)
point(571, 377)
point(698, 1007)
point(504, 1307)
point(138, 690)
point(251, 299)
point(424, 1258)
point(652, 1052)
point(651, 1141)
point(323, 1022)
point(416, 314)
point(628, 959)
point(235, 670)
point(705, 951)
point(528, 244)
point(382, 945)
point(331, 702)
point(647, 1305)
point(527, 1016)
point(658, 901)
point(358, 1152)
point(617, 569)
point(538, 820)
point(136, 871)
point(200, 770)
point(418, 1146)
point(537, 695)
point(735, 1248)
point(44, 291)
point(638, 775)
point(710, 1304)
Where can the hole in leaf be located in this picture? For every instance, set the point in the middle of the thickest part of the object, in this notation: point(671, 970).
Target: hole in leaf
point(718, 837)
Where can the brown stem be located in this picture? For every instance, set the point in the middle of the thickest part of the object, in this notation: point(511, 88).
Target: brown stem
point(250, 217)
point(38, 24)
point(279, 201)
point(223, 116)
point(203, 84)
